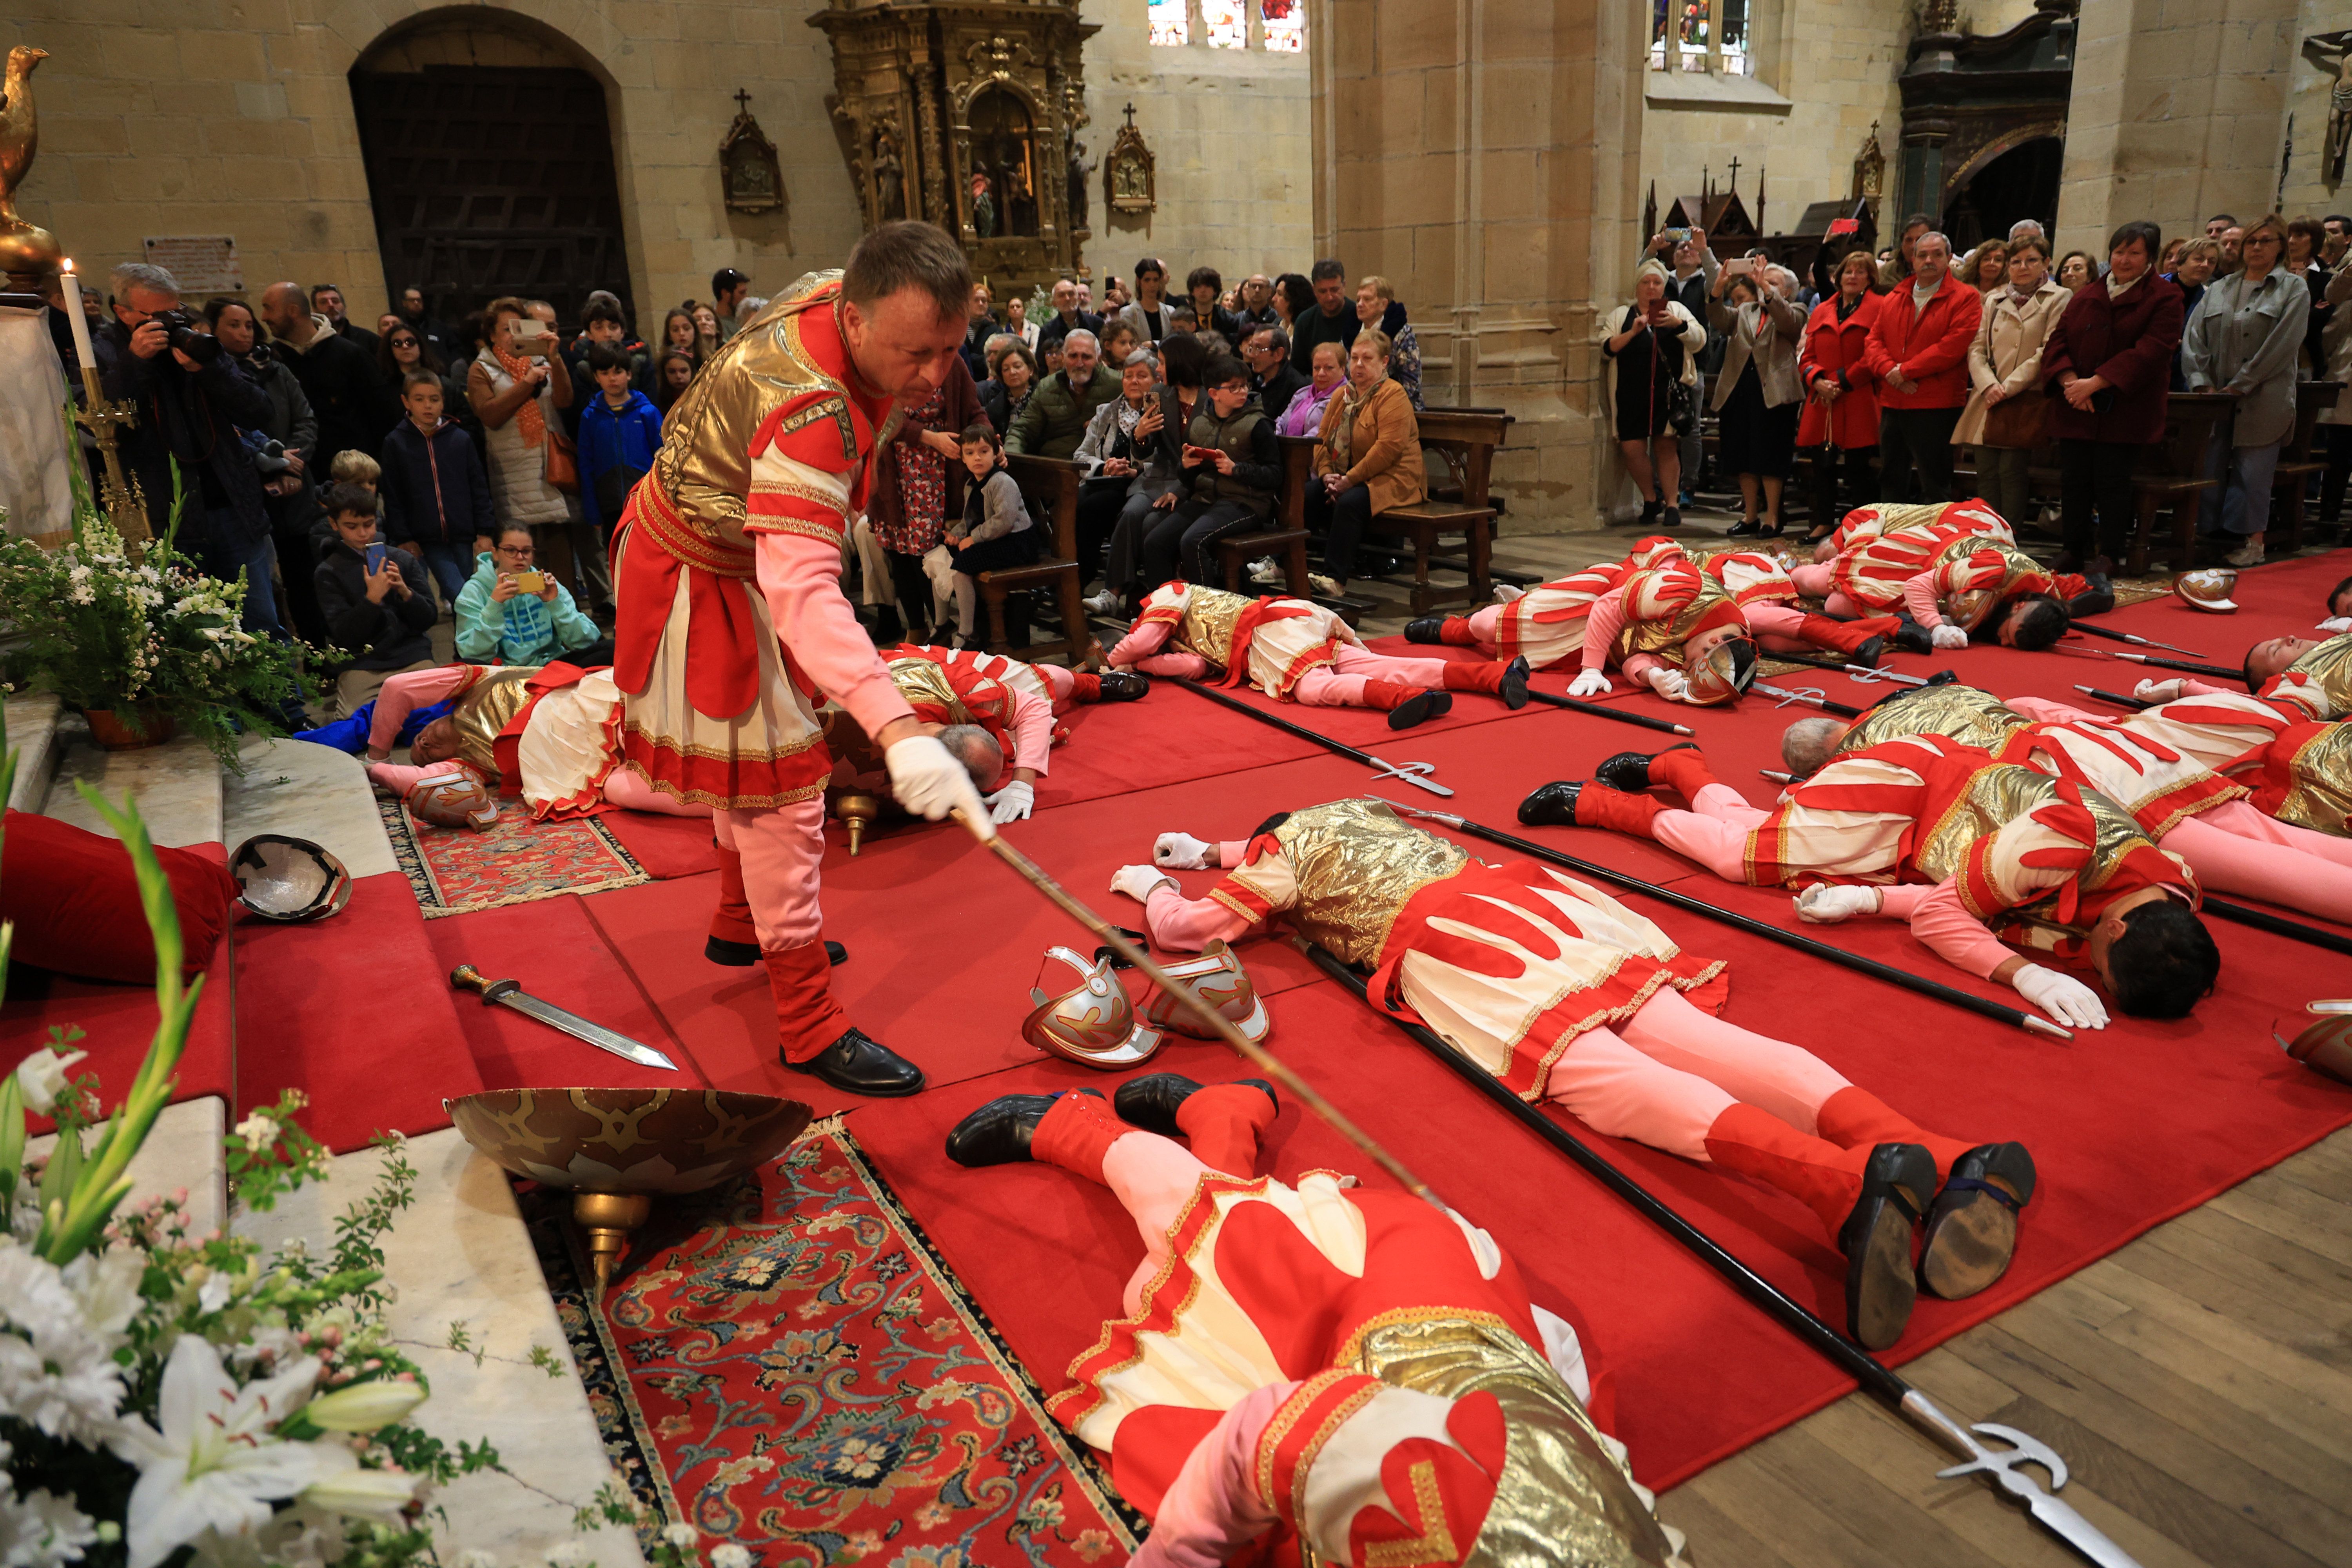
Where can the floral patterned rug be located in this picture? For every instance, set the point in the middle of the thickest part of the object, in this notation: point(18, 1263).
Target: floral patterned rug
point(456, 870)
point(793, 1368)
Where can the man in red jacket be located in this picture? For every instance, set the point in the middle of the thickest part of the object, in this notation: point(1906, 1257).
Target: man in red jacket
point(1918, 349)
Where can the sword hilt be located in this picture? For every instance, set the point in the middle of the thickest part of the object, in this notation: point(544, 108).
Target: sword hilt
point(466, 977)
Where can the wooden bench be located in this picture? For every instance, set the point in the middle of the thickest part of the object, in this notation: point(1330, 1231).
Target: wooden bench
point(2292, 481)
point(1050, 486)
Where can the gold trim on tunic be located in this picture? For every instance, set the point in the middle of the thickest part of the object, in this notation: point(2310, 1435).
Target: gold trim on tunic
point(1357, 865)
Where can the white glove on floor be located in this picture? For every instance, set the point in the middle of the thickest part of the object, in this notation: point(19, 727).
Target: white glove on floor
point(2063, 996)
point(2170, 691)
point(1136, 881)
point(1588, 683)
point(1013, 803)
point(2334, 623)
point(1671, 684)
point(929, 781)
point(1948, 637)
point(1181, 852)
point(1826, 905)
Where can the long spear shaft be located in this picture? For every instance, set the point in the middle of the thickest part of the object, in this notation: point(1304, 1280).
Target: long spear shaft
point(1784, 695)
point(1329, 744)
point(2277, 925)
point(2116, 698)
point(2110, 634)
point(1849, 1358)
point(2219, 671)
point(1753, 927)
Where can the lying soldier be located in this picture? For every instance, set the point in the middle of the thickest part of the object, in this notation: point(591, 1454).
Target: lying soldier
point(1961, 576)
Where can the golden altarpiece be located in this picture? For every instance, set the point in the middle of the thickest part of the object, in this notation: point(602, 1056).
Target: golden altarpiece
point(968, 115)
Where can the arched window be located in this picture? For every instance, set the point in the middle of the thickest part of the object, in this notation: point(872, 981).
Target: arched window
point(1701, 36)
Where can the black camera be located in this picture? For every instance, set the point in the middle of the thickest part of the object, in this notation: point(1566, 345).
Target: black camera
point(186, 332)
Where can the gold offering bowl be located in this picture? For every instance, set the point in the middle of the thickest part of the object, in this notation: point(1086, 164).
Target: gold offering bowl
point(617, 1150)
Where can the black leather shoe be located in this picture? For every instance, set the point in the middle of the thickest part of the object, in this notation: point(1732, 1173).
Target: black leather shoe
point(744, 954)
point(1428, 629)
point(2094, 600)
point(1150, 1101)
point(1514, 693)
point(1871, 652)
point(1552, 805)
point(1123, 685)
point(1912, 638)
point(1972, 1226)
point(1880, 1282)
point(1414, 710)
point(856, 1065)
point(1630, 771)
point(998, 1133)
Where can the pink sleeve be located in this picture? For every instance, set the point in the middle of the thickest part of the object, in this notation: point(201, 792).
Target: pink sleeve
point(1637, 667)
point(1147, 637)
point(2041, 711)
point(800, 576)
point(1232, 851)
point(1190, 666)
point(1939, 920)
point(1187, 925)
point(1212, 1507)
point(405, 694)
point(400, 779)
point(2192, 688)
point(1601, 624)
point(1033, 730)
point(1919, 598)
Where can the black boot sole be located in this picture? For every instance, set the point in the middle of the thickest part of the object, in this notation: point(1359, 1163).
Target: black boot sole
point(1555, 810)
point(744, 954)
point(1971, 1232)
point(1417, 710)
point(1630, 771)
point(1881, 1280)
point(1515, 684)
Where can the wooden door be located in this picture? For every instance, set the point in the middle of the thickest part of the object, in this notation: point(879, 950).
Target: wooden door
point(489, 180)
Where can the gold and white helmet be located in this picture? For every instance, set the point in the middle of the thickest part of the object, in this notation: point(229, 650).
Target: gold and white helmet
point(2324, 1046)
point(1094, 1024)
point(1216, 977)
point(458, 799)
point(2207, 590)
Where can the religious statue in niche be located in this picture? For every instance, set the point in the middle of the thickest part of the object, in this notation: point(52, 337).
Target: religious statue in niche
point(1079, 168)
point(889, 179)
point(1129, 183)
point(2332, 53)
point(1003, 150)
point(983, 209)
point(748, 172)
point(1870, 171)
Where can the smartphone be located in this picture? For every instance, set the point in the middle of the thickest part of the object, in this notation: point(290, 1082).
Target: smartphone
point(1737, 267)
point(531, 336)
point(1200, 454)
point(375, 555)
point(530, 580)
point(1846, 226)
point(1679, 236)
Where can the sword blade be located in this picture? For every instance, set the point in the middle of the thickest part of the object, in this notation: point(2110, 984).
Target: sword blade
point(597, 1035)
point(2059, 1517)
point(1406, 775)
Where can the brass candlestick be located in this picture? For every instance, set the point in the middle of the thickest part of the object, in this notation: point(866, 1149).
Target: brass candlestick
point(123, 503)
point(857, 812)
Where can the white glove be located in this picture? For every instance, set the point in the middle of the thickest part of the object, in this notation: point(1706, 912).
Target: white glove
point(1949, 636)
point(2170, 691)
point(1181, 852)
point(928, 781)
point(1588, 683)
point(1670, 684)
point(1013, 803)
point(1825, 905)
point(1136, 881)
point(2062, 996)
point(2336, 624)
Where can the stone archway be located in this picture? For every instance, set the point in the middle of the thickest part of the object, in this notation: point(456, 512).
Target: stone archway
point(488, 151)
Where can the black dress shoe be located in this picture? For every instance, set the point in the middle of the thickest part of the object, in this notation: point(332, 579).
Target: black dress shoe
point(1428, 629)
point(2094, 601)
point(734, 954)
point(1872, 650)
point(1514, 692)
point(1150, 1101)
point(1413, 709)
point(1630, 771)
point(856, 1065)
point(998, 1133)
point(1972, 1226)
point(1880, 1282)
point(1552, 805)
point(1912, 638)
point(1123, 685)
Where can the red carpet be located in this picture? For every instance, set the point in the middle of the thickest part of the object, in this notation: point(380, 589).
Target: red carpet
point(664, 846)
point(118, 1025)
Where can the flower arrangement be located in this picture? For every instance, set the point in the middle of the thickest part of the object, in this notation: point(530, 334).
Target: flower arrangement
point(155, 638)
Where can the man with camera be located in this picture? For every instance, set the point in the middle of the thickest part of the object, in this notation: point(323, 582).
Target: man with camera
point(191, 400)
point(340, 377)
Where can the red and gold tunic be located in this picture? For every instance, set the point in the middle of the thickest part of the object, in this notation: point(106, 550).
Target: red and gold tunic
point(1752, 577)
point(2320, 682)
point(1968, 558)
point(1267, 643)
point(2305, 777)
point(1545, 625)
point(1882, 518)
point(1669, 601)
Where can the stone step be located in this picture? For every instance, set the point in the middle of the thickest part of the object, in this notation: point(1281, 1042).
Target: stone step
point(307, 791)
point(33, 719)
point(461, 1254)
point(183, 1150)
point(176, 786)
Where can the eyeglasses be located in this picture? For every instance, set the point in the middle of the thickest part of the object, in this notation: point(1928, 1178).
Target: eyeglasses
point(404, 342)
point(525, 553)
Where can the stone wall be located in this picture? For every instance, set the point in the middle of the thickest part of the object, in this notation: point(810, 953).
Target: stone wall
point(1229, 132)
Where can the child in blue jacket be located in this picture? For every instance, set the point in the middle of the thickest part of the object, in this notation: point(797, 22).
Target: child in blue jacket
point(619, 433)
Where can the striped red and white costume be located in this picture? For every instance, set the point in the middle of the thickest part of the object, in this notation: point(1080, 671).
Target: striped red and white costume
point(1881, 517)
point(2319, 682)
point(726, 566)
point(1548, 982)
point(1960, 566)
point(1060, 688)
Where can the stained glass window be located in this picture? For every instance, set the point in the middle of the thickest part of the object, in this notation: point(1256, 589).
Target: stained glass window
point(1227, 22)
point(1681, 31)
point(1286, 24)
point(1167, 18)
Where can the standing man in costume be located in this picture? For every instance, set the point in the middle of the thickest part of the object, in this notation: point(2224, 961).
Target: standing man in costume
point(1422, 1412)
point(1567, 996)
point(1295, 651)
point(728, 566)
point(2055, 868)
point(1688, 630)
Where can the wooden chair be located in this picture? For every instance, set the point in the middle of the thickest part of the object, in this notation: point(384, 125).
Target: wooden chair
point(1050, 486)
point(1288, 538)
point(1468, 439)
point(2297, 467)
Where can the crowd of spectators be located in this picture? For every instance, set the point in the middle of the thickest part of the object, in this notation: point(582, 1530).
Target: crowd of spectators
point(1889, 369)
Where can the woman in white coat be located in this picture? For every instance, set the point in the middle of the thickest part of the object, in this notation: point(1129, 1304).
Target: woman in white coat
point(2005, 417)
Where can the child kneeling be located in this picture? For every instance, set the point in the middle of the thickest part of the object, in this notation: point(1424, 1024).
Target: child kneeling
point(996, 531)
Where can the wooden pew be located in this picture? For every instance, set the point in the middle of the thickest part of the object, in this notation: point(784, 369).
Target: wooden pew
point(1050, 485)
point(2297, 468)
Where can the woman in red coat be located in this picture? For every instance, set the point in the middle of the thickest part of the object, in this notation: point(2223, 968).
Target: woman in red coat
point(2107, 369)
point(1841, 394)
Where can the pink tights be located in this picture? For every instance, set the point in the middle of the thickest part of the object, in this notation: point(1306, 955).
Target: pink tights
point(625, 789)
point(1714, 832)
point(1664, 1075)
point(1342, 685)
point(780, 848)
point(1154, 1178)
point(1059, 683)
point(2234, 848)
point(1819, 580)
point(1777, 627)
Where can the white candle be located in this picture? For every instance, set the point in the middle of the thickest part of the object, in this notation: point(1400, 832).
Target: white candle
point(71, 287)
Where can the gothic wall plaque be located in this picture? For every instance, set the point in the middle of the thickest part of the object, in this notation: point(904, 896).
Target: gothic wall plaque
point(1129, 183)
point(748, 172)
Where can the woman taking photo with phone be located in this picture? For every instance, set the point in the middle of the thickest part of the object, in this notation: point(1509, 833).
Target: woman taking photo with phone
point(1648, 346)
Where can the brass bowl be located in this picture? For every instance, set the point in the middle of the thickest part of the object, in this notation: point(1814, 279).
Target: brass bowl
point(615, 1149)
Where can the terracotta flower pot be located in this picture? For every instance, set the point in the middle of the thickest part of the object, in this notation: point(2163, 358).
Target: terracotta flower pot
point(144, 728)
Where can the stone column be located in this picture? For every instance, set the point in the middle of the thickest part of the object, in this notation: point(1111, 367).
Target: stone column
point(1484, 156)
point(2177, 112)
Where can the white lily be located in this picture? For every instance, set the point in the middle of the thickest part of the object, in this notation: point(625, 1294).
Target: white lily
point(349, 1490)
point(43, 1076)
point(214, 1465)
point(364, 1406)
